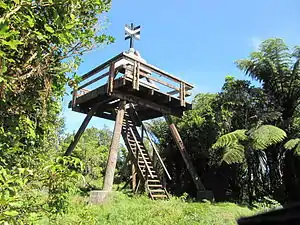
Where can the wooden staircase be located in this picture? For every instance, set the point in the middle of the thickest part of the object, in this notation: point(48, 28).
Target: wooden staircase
point(146, 172)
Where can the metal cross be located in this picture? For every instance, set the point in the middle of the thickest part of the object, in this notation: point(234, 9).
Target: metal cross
point(132, 33)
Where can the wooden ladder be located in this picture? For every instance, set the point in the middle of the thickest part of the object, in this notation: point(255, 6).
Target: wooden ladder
point(141, 158)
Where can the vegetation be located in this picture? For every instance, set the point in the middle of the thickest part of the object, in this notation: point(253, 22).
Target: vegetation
point(244, 140)
point(176, 211)
point(237, 137)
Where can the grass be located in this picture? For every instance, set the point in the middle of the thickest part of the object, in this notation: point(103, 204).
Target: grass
point(126, 210)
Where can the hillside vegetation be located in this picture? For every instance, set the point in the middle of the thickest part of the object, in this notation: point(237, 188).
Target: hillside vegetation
point(123, 209)
point(243, 141)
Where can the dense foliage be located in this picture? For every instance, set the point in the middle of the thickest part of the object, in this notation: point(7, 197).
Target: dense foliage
point(92, 150)
point(248, 160)
point(40, 42)
point(244, 141)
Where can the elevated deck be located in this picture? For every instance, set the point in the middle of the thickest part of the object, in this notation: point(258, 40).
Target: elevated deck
point(128, 77)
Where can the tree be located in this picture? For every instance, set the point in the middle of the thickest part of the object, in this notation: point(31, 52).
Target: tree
point(93, 149)
point(40, 42)
point(293, 144)
point(241, 146)
point(276, 66)
point(199, 131)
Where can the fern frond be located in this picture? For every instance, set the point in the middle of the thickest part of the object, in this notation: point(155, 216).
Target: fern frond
point(230, 139)
point(265, 136)
point(293, 144)
point(234, 153)
point(297, 150)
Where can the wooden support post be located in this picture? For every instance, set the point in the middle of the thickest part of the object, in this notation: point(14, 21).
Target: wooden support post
point(114, 147)
point(74, 96)
point(134, 75)
point(82, 128)
point(111, 77)
point(138, 76)
point(184, 154)
point(182, 94)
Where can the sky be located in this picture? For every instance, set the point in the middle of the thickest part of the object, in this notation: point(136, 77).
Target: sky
point(195, 40)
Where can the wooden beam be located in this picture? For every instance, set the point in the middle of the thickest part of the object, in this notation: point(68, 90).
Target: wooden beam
point(94, 80)
point(146, 103)
point(182, 94)
point(111, 77)
point(159, 81)
point(156, 70)
point(82, 128)
point(114, 148)
point(186, 158)
point(74, 96)
point(187, 93)
point(102, 66)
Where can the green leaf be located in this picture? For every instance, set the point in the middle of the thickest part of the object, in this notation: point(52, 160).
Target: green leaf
point(291, 144)
point(16, 1)
point(234, 153)
point(265, 136)
point(48, 28)
point(3, 5)
point(70, 25)
point(72, 16)
point(30, 21)
point(230, 138)
point(13, 44)
point(11, 213)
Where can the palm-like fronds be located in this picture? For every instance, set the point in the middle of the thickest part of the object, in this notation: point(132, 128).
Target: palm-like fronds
point(293, 144)
point(265, 136)
point(234, 153)
point(277, 68)
point(229, 139)
point(233, 150)
point(257, 138)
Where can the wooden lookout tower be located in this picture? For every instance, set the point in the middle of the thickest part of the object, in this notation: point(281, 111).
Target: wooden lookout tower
point(129, 90)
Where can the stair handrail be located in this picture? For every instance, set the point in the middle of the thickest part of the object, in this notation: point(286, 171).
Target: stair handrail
point(139, 149)
point(156, 151)
point(152, 144)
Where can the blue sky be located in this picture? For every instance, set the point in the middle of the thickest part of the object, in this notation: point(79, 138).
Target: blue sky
point(196, 40)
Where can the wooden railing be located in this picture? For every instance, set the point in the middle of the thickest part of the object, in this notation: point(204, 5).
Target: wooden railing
point(141, 153)
point(153, 145)
point(155, 151)
point(135, 69)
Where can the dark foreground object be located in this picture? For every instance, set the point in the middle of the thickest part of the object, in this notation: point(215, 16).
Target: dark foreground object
point(287, 215)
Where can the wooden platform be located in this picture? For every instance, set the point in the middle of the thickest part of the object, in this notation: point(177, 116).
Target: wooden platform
point(136, 82)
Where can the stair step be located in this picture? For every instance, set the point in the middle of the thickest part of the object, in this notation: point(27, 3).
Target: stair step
point(159, 196)
point(155, 185)
point(143, 166)
point(152, 171)
point(154, 176)
point(153, 181)
point(157, 190)
point(143, 163)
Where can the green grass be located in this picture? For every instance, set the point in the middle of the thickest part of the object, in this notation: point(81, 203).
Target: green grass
point(141, 210)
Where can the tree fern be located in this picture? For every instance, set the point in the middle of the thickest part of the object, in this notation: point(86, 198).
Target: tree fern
point(234, 153)
point(265, 136)
point(230, 139)
point(293, 144)
point(257, 138)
